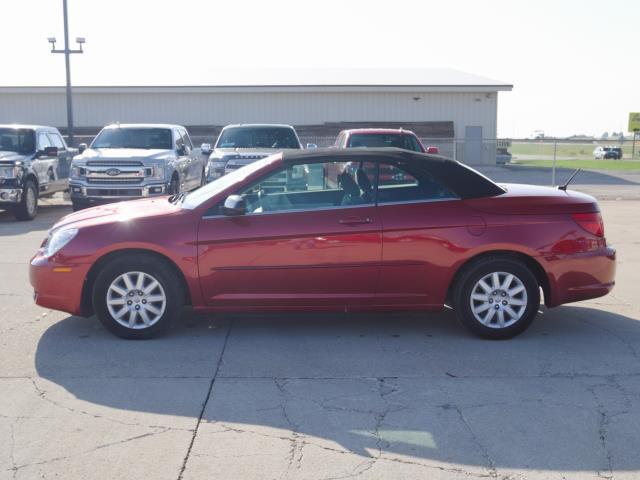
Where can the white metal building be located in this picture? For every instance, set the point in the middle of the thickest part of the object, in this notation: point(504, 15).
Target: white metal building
point(440, 105)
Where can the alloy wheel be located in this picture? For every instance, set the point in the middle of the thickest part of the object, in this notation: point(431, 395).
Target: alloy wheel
point(136, 300)
point(498, 300)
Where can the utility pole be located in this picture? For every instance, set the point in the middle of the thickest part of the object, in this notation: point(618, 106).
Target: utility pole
point(67, 52)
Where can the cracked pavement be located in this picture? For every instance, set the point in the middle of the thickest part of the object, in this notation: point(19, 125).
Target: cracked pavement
point(320, 396)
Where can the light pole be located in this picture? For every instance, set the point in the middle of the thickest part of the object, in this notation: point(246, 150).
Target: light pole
point(67, 51)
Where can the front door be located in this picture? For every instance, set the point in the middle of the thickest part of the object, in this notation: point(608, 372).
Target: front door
point(305, 241)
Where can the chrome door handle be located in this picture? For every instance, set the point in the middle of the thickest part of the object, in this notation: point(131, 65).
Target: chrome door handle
point(355, 221)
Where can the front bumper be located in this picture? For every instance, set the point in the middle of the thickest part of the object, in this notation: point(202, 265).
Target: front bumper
point(57, 285)
point(582, 276)
point(100, 194)
point(10, 195)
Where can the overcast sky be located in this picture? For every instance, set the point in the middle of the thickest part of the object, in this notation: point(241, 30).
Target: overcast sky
point(574, 64)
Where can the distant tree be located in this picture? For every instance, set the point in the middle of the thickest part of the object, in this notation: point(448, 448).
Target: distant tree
point(605, 136)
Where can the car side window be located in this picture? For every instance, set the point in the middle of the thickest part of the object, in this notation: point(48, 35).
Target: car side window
point(56, 141)
point(179, 139)
point(187, 139)
point(415, 145)
point(312, 186)
point(399, 183)
point(43, 141)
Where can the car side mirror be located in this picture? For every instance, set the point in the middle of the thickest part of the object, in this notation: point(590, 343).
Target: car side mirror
point(234, 205)
point(181, 150)
point(433, 150)
point(50, 152)
point(82, 147)
point(311, 145)
point(205, 148)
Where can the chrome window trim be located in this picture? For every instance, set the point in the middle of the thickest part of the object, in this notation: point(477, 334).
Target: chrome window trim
point(297, 210)
point(337, 207)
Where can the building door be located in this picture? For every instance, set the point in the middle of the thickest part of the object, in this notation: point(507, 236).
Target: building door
point(472, 145)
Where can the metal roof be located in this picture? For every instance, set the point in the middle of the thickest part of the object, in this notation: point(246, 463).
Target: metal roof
point(324, 79)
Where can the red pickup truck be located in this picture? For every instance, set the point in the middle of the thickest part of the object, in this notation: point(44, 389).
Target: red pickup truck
point(382, 137)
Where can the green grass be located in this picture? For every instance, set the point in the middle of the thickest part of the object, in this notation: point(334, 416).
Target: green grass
point(584, 164)
point(577, 150)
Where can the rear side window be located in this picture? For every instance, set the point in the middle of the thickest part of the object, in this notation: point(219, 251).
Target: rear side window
point(400, 183)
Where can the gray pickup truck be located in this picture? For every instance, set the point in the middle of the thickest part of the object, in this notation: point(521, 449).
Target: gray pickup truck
point(34, 163)
point(240, 145)
point(128, 161)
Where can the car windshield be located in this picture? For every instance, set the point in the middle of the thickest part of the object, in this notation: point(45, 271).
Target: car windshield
point(374, 140)
point(19, 140)
point(258, 137)
point(201, 195)
point(147, 138)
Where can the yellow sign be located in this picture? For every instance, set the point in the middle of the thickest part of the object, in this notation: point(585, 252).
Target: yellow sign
point(634, 121)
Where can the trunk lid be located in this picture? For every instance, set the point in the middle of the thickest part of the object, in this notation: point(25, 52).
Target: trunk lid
point(522, 199)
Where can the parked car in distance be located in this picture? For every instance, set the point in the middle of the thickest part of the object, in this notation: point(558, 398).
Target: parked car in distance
point(34, 163)
point(502, 156)
point(382, 137)
point(239, 145)
point(128, 161)
point(607, 152)
point(447, 235)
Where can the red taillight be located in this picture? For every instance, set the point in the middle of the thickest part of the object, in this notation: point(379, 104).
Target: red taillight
point(591, 222)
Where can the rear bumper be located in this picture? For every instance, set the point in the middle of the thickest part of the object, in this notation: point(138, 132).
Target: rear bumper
point(57, 286)
point(581, 277)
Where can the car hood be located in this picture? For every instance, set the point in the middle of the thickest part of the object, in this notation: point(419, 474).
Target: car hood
point(128, 154)
point(119, 212)
point(9, 157)
point(534, 200)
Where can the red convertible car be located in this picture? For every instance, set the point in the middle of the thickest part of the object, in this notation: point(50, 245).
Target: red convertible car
point(445, 235)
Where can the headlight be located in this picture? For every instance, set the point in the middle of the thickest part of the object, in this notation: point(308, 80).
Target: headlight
point(77, 171)
point(9, 172)
point(59, 239)
point(157, 172)
point(216, 168)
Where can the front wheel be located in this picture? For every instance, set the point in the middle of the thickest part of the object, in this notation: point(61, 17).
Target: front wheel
point(28, 206)
point(137, 297)
point(496, 298)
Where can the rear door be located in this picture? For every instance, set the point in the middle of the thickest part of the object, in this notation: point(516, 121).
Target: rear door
point(422, 230)
point(312, 245)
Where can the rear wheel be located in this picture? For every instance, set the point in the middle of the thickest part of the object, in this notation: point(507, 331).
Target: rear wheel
point(27, 208)
point(496, 297)
point(137, 297)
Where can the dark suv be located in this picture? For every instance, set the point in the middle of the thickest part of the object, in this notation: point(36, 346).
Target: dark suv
point(34, 163)
point(613, 153)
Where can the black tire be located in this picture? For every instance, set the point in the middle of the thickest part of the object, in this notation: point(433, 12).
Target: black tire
point(28, 206)
point(76, 206)
point(476, 271)
point(162, 272)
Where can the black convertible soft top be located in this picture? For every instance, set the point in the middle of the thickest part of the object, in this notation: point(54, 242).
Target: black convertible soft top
point(461, 179)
